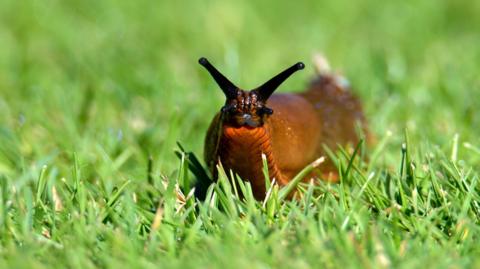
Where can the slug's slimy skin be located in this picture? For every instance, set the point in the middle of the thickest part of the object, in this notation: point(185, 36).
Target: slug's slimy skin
point(290, 129)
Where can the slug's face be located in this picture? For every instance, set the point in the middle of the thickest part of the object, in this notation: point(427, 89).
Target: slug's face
point(247, 109)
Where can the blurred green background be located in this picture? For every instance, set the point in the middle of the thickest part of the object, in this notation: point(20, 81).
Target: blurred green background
point(115, 81)
point(104, 77)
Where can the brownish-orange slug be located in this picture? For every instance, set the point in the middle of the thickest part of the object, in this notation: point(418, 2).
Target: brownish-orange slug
point(291, 129)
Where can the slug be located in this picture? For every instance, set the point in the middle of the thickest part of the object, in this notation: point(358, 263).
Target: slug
point(291, 129)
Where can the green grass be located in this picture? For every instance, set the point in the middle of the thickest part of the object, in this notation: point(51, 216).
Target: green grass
point(90, 89)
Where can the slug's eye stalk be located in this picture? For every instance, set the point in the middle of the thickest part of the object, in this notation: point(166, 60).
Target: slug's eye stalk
point(229, 108)
point(270, 86)
point(228, 88)
point(265, 111)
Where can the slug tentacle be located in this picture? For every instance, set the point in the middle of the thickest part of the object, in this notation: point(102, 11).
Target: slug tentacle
point(226, 85)
point(270, 86)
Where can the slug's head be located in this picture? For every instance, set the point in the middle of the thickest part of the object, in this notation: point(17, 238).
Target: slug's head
point(247, 108)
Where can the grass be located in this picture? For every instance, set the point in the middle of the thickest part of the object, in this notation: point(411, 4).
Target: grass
point(90, 89)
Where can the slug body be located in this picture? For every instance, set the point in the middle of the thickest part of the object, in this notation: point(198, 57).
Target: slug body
point(292, 131)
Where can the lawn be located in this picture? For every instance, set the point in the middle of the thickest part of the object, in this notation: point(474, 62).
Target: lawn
point(90, 89)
